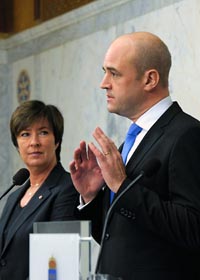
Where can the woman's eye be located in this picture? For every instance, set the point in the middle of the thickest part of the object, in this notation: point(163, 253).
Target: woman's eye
point(24, 134)
point(43, 132)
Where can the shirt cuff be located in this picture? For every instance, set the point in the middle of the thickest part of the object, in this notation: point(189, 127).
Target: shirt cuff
point(82, 204)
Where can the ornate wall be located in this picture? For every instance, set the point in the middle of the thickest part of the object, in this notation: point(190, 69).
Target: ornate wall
point(61, 63)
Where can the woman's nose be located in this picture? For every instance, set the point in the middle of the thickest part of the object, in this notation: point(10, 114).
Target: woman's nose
point(35, 141)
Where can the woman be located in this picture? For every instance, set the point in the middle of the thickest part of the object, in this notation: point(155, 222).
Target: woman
point(48, 195)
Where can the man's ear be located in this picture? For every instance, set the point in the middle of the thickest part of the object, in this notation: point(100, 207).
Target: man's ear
point(151, 79)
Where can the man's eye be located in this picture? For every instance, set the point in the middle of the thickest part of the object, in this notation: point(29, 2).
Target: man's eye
point(114, 74)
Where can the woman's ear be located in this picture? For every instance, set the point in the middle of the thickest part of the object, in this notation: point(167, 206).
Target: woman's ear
point(151, 79)
point(56, 145)
point(17, 148)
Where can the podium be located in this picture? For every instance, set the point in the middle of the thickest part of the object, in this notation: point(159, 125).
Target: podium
point(60, 251)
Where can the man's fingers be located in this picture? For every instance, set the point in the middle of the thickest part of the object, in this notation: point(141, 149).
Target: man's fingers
point(72, 167)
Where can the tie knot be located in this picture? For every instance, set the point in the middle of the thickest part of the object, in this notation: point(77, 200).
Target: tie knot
point(134, 129)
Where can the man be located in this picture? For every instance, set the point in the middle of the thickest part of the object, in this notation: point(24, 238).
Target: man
point(153, 230)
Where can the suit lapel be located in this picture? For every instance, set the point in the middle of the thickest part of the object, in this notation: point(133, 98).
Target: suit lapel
point(152, 136)
point(12, 200)
point(39, 198)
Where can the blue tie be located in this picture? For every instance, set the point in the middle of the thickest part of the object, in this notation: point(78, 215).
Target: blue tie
point(131, 135)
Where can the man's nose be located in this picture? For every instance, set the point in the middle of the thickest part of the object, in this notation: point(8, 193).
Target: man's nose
point(105, 83)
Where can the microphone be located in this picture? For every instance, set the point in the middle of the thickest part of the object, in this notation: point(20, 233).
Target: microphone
point(149, 168)
point(18, 179)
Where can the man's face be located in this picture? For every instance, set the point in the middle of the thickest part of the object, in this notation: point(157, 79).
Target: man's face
point(124, 90)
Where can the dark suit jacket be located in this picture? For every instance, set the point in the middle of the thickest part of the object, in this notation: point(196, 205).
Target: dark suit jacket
point(55, 200)
point(154, 230)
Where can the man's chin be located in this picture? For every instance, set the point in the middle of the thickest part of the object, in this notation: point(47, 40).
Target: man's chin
point(111, 110)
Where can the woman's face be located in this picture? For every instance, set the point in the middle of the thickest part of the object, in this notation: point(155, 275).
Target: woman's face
point(36, 145)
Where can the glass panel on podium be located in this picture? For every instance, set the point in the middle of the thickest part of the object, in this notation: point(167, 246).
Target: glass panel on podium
point(60, 250)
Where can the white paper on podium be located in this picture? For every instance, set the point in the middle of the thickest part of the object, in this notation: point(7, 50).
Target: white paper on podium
point(63, 247)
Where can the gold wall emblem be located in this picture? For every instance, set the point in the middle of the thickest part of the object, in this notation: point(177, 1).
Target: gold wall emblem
point(23, 87)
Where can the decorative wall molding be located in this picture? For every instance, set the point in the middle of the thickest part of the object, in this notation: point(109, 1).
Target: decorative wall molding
point(76, 24)
point(51, 9)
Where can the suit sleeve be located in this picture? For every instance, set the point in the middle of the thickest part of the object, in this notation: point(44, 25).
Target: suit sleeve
point(65, 202)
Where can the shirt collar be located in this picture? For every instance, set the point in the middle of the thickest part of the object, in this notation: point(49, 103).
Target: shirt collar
point(147, 120)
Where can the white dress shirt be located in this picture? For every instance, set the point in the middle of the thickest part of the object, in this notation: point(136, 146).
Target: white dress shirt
point(147, 120)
